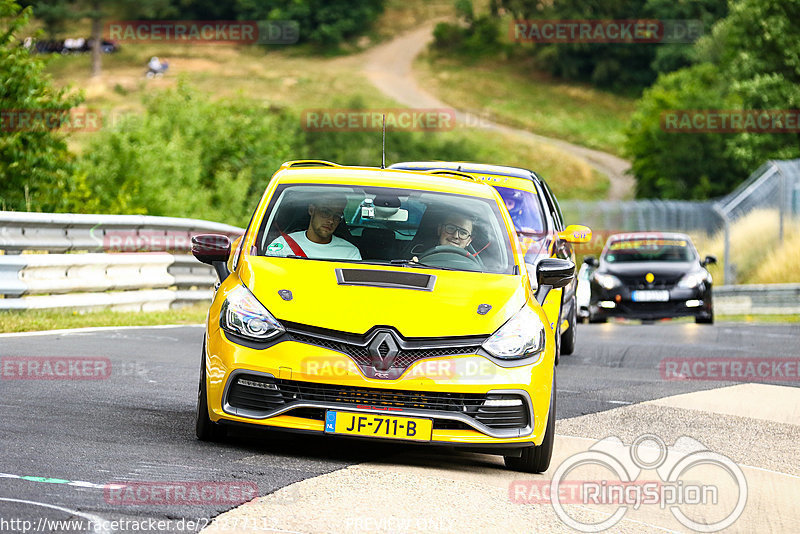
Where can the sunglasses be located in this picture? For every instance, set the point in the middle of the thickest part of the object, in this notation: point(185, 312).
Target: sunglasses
point(452, 229)
point(327, 213)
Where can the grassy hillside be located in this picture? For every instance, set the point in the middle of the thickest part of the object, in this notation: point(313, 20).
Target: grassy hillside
point(289, 79)
point(518, 96)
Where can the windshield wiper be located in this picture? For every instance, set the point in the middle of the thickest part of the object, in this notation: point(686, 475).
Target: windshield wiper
point(412, 263)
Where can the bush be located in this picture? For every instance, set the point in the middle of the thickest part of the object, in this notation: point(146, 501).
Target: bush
point(34, 162)
point(187, 157)
point(322, 22)
point(473, 36)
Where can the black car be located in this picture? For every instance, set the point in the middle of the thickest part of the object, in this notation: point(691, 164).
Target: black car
point(650, 276)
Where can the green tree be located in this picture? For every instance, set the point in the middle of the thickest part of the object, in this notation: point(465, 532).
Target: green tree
point(681, 165)
point(322, 22)
point(188, 156)
point(55, 13)
point(751, 61)
point(34, 161)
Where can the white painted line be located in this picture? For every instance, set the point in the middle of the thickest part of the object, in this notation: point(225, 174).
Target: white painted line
point(95, 329)
point(99, 522)
point(618, 402)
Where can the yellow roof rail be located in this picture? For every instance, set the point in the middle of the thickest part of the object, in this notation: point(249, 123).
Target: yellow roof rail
point(308, 163)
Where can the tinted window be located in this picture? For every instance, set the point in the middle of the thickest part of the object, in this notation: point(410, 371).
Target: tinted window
point(674, 250)
point(387, 225)
point(524, 208)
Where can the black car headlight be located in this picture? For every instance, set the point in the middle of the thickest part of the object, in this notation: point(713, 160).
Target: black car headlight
point(693, 280)
point(521, 336)
point(607, 281)
point(243, 315)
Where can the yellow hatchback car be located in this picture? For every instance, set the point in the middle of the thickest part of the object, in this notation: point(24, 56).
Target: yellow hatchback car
point(382, 304)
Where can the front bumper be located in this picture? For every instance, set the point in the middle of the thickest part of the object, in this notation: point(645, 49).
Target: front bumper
point(618, 302)
point(302, 381)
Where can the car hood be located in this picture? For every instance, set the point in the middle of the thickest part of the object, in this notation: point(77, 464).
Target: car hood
point(320, 300)
point(658, 268)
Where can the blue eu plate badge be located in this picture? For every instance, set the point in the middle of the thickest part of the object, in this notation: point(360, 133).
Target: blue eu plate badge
point(330, 421)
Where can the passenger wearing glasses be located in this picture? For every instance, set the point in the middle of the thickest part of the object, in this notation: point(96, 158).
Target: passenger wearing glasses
point(456, 231)
point(318, 241)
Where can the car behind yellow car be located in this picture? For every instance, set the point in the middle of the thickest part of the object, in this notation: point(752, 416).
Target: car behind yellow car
point(540, 227)
point(382, 304)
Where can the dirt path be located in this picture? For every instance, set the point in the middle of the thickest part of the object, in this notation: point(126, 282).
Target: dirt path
point(388, 67)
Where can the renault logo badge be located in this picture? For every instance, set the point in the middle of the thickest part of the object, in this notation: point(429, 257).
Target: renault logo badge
point(649, 277)
point(383, 349)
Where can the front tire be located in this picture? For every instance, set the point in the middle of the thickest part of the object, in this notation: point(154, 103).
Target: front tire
point(204, 427)
point(569, 337)
point(705, 319)
point(536, 459)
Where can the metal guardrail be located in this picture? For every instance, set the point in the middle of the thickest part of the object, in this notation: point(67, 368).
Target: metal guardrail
point(758, 299)
point(124, 262)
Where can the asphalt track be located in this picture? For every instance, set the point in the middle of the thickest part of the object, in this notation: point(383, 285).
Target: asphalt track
point(70, 438)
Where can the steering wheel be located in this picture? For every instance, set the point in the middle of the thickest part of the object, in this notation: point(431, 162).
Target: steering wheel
point(448, 249)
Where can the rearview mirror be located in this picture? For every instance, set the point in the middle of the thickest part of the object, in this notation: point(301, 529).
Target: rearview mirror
point(576, 233)
point(709, 260)
point(554, 272)
point(591, 261)
point(213, 249)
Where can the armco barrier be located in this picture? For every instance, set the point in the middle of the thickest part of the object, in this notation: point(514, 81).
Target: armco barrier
point(758, 299)
point(122, 262)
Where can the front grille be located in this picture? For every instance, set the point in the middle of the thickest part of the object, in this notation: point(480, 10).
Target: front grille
point(359, 351)
point(244, 394)
point(638, 282)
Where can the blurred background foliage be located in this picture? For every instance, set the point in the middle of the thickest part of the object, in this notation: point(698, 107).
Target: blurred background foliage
point(183, 150)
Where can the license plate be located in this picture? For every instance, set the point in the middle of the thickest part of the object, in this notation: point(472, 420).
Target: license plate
point(650, 296)
point(378, 426)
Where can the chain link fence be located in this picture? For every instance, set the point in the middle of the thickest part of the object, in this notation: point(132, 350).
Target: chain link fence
point(769, 199)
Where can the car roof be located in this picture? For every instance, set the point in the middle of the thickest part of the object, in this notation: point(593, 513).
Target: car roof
point(648, 235)
point(462, 166)
point(331, 173)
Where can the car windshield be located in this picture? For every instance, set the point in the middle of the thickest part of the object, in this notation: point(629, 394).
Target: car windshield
point(386, 226)
point(649, 249)
point(524, 208)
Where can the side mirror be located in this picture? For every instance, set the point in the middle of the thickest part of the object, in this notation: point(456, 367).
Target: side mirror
point(213, 249)
point(709, 260)
point(591, 261)
point(576, 233)
point(553, 273)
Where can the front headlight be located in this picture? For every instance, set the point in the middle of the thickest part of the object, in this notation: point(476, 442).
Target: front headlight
point(692, 280)
point(242, 314)
point(607, 281)
point(522, 336)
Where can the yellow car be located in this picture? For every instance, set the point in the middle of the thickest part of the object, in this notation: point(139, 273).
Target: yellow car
point(540, 227)
point(382, 304)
